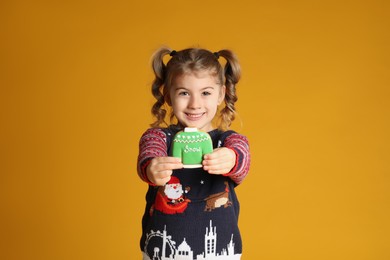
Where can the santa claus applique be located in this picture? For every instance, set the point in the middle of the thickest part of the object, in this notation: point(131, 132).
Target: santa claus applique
point(170, 198)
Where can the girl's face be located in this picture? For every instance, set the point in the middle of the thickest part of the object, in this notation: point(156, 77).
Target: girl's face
point(194, 98)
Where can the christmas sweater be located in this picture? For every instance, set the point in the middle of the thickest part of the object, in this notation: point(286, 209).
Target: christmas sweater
point(191, 145)
point(195, 215)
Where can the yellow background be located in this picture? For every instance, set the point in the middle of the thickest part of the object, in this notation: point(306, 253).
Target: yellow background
point(313, 101)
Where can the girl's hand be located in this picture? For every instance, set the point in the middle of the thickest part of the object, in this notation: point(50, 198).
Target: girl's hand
point(160, 169)
point(220, 161)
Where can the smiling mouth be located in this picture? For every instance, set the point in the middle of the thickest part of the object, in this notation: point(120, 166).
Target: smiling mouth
point(194, 116)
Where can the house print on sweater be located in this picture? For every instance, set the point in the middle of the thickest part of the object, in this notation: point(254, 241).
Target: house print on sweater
point(191, 145)
point(184, 251)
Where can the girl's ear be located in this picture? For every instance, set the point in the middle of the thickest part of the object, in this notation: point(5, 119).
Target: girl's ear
point(222, 94)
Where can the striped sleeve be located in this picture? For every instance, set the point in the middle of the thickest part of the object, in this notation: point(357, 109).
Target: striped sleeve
point(152, 144)
point(240, 145)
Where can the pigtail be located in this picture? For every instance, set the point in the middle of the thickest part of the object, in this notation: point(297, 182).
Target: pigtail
point(232, 74)
point(159, 69)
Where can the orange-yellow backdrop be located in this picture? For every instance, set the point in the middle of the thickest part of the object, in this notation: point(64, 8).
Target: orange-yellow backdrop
point(313, 101)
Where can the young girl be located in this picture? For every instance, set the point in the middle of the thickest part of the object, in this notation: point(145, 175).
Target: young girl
point(192, 213)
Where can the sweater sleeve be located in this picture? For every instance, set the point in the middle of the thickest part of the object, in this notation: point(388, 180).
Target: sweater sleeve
point(152, 144)
point(240, 145)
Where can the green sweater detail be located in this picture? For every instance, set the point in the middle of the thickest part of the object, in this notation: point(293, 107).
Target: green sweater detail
point(191, 146)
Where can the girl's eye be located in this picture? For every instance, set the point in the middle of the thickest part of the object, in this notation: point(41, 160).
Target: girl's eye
point(206, 93)
point(183, 93)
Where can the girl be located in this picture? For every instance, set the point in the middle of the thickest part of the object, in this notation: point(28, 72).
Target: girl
point(192, 213)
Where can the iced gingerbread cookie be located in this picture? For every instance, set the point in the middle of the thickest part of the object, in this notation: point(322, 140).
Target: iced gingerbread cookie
point(191, 145)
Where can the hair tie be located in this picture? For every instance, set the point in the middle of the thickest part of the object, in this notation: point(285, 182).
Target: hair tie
point(173, 53)
point(216, 54)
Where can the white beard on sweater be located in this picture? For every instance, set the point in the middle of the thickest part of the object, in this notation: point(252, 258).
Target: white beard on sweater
point(173, 191)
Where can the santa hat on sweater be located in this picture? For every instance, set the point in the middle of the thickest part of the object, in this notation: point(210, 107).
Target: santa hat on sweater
point(174, 180)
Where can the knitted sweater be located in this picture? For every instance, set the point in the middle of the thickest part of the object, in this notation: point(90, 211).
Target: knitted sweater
point(195, 215)
point(191, 145)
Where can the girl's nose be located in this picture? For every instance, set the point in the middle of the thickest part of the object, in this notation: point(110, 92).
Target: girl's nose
point(194, 103)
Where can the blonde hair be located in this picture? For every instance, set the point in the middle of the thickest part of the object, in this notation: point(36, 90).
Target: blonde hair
point(193, 60)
